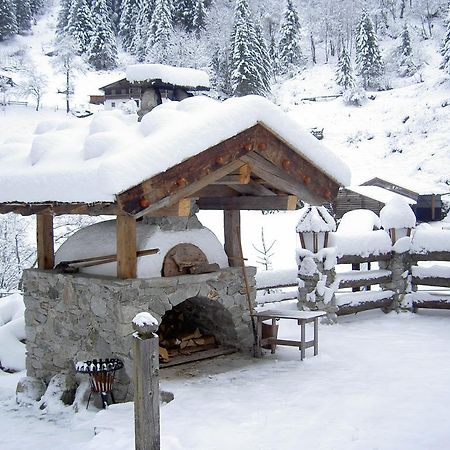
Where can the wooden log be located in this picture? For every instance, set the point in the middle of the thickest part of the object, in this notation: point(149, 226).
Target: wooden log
point(126, 247)
point(146, 389)
point(247, 202)
point(364, 282)
point(356, 259)
point(231, 223)
point(431, 256)
point(384, 303)
point(45, 241)
point(432, 281)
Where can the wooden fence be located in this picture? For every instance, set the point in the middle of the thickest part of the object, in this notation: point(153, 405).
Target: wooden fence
point(354, 290)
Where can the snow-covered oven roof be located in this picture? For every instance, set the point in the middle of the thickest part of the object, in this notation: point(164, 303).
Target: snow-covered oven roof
point(101, 159)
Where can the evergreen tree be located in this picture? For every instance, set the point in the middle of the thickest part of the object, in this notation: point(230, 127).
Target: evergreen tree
point(407, 67)
point(103, 49)
point(289, 51)
point(127, 23)
point(263, 58)
point(8, 22)
point(23, 15)
point(245, 56)
point(344, 72)
point(161, 26)
point(184, 12)
point(445, 50)
point(80, 26)
point(141, 27)
point(199, 17)
point(36, 7)
point(368, 56)
point(63, 17)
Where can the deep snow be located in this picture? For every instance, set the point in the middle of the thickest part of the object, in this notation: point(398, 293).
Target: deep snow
point(379, 382)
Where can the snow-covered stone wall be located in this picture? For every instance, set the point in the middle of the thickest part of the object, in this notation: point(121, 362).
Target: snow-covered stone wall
point(75, 317)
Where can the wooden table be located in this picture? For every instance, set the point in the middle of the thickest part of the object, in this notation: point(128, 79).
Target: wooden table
point(302, 318)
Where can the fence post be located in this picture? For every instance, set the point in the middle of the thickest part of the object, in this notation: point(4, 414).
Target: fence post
point(146, 382)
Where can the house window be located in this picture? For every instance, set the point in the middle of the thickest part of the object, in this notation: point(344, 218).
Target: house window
point(113, 104)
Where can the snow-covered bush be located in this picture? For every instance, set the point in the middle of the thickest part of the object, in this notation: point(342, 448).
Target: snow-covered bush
point(12, 333)
point(355, 96)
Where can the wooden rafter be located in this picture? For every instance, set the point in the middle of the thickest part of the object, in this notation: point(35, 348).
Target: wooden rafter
point(249, 202)
point(57, 208)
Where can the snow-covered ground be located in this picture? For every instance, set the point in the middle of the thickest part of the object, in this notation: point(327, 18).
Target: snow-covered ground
point(379, 382)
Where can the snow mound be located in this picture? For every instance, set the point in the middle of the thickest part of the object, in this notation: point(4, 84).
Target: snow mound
point(315, 219)
point(359, 221)
point(397, 214)
point(12, 332)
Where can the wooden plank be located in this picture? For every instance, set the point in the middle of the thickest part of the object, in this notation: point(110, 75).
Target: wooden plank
point(45, 241)
point(180, 209)
point(241, 177)
point(384, 303)
point(55, 209)
point(364, 282)
point(126, 247)
point(431, 256)
point(246, 202)
point(206, 354)
point(356, 259)
point(431, 281)
point(231, 223)
point(252, 188)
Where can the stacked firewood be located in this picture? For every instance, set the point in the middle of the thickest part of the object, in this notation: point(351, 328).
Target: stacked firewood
point(178, 337)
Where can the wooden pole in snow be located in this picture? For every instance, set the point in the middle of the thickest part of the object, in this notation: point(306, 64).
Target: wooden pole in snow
point(146, 382)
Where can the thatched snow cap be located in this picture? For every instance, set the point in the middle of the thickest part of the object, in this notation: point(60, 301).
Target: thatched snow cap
point(178, 76)
point(315, 219)
point(397, 214)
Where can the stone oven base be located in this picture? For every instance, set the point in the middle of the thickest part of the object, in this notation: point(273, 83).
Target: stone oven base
point(73, 317)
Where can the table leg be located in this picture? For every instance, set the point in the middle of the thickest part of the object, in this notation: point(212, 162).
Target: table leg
point(273, 343)
point(302, 339)
point(258, 351)
point(316, 336)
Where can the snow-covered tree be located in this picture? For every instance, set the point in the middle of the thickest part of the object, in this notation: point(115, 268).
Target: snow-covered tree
point(245, 56)
point(445, 50)
point(199, 17)
point(23, 15)
point(406, 64)
point(263, 59)
point(36, 7)
point(140, 26)
point(8, 21)
point(16, 250)
point(368, 57)
point(68, 63)
point(344, 72)
point(103, 49)
point(34, 85)
point(183, 13)
point(80, 26)
point(63, 17)
point(161, 25)
point(127, 22)
point(289, 50)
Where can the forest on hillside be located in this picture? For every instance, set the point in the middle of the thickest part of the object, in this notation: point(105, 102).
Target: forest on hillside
point(244, 44)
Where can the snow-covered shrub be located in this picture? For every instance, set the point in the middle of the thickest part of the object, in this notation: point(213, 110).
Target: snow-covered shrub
point(355, 96)
point(12, 333)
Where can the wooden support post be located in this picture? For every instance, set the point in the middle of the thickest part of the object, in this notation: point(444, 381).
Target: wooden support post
point(45, 243)
point(146, 386)
point(302, 339)
point(316, 336)
point(231, 223)
point(126, 247)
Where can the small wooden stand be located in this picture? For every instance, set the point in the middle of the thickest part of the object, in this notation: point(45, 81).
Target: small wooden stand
point(302, 317)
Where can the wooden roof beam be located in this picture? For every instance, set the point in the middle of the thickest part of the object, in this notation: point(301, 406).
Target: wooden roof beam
point(276, 202)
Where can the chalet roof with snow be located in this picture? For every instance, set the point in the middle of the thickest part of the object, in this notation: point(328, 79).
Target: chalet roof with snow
point(162, 76)
point(244, 153)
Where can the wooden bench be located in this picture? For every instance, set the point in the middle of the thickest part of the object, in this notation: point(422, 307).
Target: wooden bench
point(302, 318)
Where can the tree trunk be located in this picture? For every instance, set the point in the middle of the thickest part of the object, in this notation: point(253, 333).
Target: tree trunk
point(313, 49)
point(67, 92)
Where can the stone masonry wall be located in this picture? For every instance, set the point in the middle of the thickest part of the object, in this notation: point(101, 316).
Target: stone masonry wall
point(74, 317)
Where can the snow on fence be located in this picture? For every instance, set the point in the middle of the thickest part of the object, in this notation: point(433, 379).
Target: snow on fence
point(401, 273)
